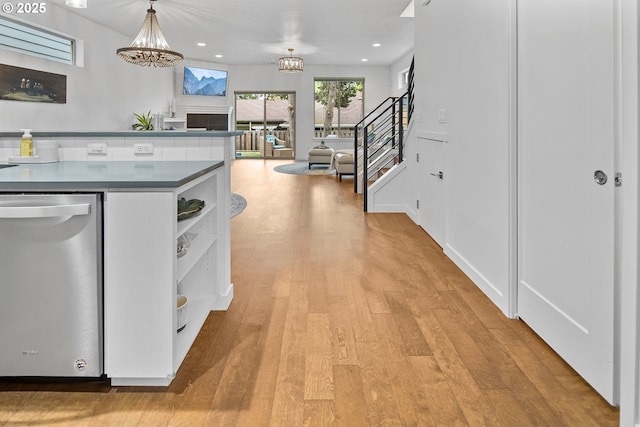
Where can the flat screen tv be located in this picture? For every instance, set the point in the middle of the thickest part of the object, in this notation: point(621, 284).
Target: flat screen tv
point(203, 81)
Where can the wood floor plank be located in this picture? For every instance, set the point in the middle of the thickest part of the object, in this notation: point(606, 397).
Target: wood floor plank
point(479, 364)
point(382, 409)
point(258, 403)
point(411, 337)
point(241, 365)
point(318, 295)
point(343, 342)
point(410, 397)
point(350, 403)
point(361, 318)
point(443, 405)
point(289, 392)
point(318, 378)
point(508, 411)
point(319, 413)
point(470, 398)
point(282, 282)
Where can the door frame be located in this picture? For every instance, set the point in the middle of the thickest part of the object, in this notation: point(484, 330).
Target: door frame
point(629, 329)
point(513, 142)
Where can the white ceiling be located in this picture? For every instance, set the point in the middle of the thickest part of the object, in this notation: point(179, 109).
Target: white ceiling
point(332, 32)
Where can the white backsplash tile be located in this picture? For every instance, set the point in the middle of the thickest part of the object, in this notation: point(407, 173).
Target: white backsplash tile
point(73, 154)
point(174, 153)
point(198, 153)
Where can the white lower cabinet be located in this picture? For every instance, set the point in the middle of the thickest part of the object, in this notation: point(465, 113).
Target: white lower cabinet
point(144, 274)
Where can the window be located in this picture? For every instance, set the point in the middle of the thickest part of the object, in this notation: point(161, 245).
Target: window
point(339, 106)
point(29, 40)
point(403, 79)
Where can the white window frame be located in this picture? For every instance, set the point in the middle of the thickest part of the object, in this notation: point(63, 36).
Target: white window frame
point(28, 39)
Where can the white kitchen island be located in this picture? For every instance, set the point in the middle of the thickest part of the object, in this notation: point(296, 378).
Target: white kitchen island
point(142, 271)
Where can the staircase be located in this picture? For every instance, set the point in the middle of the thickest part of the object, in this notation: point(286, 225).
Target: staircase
point(379, 139)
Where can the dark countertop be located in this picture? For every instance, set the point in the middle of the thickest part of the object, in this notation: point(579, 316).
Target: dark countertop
point(72, 175)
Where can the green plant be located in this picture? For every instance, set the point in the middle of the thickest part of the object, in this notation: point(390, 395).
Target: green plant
point(144, 121)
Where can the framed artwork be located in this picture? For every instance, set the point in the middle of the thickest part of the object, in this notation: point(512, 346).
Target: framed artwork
point(23, 84)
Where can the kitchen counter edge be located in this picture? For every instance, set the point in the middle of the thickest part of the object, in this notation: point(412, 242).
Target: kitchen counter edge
point(141, 134)
point(192, 171)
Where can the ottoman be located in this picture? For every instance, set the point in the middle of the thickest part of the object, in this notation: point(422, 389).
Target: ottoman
point(343, 163)
point(320, 156)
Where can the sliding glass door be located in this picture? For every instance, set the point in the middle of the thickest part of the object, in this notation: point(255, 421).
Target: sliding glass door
point(268, 119)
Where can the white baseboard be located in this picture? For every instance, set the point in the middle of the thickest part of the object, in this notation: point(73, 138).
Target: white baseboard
point(494, 294)
point(223, 301)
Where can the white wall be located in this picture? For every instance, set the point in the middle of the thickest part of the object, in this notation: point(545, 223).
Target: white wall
point(462, 66)
point(398, 67)
point(102, 95)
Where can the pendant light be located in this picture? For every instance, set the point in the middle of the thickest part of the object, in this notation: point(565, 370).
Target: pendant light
point(290, 64)
point(150, 46)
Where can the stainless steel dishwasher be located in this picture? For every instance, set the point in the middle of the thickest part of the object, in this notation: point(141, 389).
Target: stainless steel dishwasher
point(51, 285)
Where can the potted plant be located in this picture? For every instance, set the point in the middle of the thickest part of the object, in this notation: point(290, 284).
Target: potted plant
point(144, 121)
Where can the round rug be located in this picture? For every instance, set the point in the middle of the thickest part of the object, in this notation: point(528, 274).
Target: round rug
point(302, 168)
point(238, 203)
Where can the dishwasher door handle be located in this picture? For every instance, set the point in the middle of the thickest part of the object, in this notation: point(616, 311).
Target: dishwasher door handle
point(44, 211)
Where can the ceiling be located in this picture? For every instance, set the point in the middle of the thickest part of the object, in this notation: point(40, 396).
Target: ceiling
point(328, 32)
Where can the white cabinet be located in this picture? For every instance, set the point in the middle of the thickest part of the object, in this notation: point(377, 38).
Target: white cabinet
point(144, 275)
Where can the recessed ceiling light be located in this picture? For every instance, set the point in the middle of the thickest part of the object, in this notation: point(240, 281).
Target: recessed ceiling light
point(376, 45)
point(218, 56)
point(364, 60)
point(201, 44)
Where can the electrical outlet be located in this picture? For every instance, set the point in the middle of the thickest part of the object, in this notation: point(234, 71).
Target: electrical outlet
point(143, 148)
point(97, 148)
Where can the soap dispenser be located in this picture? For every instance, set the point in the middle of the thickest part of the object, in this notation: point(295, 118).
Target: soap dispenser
point(26, 144)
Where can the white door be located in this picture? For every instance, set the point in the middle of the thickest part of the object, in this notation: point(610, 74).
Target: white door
point(566, 220)
point(432, 185)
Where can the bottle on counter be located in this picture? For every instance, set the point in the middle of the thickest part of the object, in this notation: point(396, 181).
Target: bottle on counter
point(26, 144)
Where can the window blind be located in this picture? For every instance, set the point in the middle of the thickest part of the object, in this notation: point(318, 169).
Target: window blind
point(18, 37)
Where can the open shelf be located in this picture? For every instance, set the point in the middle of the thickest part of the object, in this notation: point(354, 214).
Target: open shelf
point(199, 246)
point(197, 312)
point(186, 224)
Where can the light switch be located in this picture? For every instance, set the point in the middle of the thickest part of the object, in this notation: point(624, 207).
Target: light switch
point(442, 115)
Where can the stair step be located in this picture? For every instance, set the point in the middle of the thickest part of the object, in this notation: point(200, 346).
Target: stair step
point(383, 171)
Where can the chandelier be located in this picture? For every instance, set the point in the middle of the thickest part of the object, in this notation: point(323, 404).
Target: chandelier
point(150, 47)
point(80, 4)
point(290, 64)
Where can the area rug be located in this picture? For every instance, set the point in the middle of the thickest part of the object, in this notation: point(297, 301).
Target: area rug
point(238, 203)
point(302, 168)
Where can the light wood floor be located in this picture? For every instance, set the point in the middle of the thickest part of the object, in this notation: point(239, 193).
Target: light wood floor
point(340, 318)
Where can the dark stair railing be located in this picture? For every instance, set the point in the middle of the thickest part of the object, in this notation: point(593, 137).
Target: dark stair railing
point(379, 137)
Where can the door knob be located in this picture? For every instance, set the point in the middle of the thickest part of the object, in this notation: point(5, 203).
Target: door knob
point(439, 174)
point(600, 177)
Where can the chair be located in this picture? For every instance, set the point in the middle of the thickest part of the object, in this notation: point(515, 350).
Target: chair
point(320, 156)
point(342, 162)
point(272, 143)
